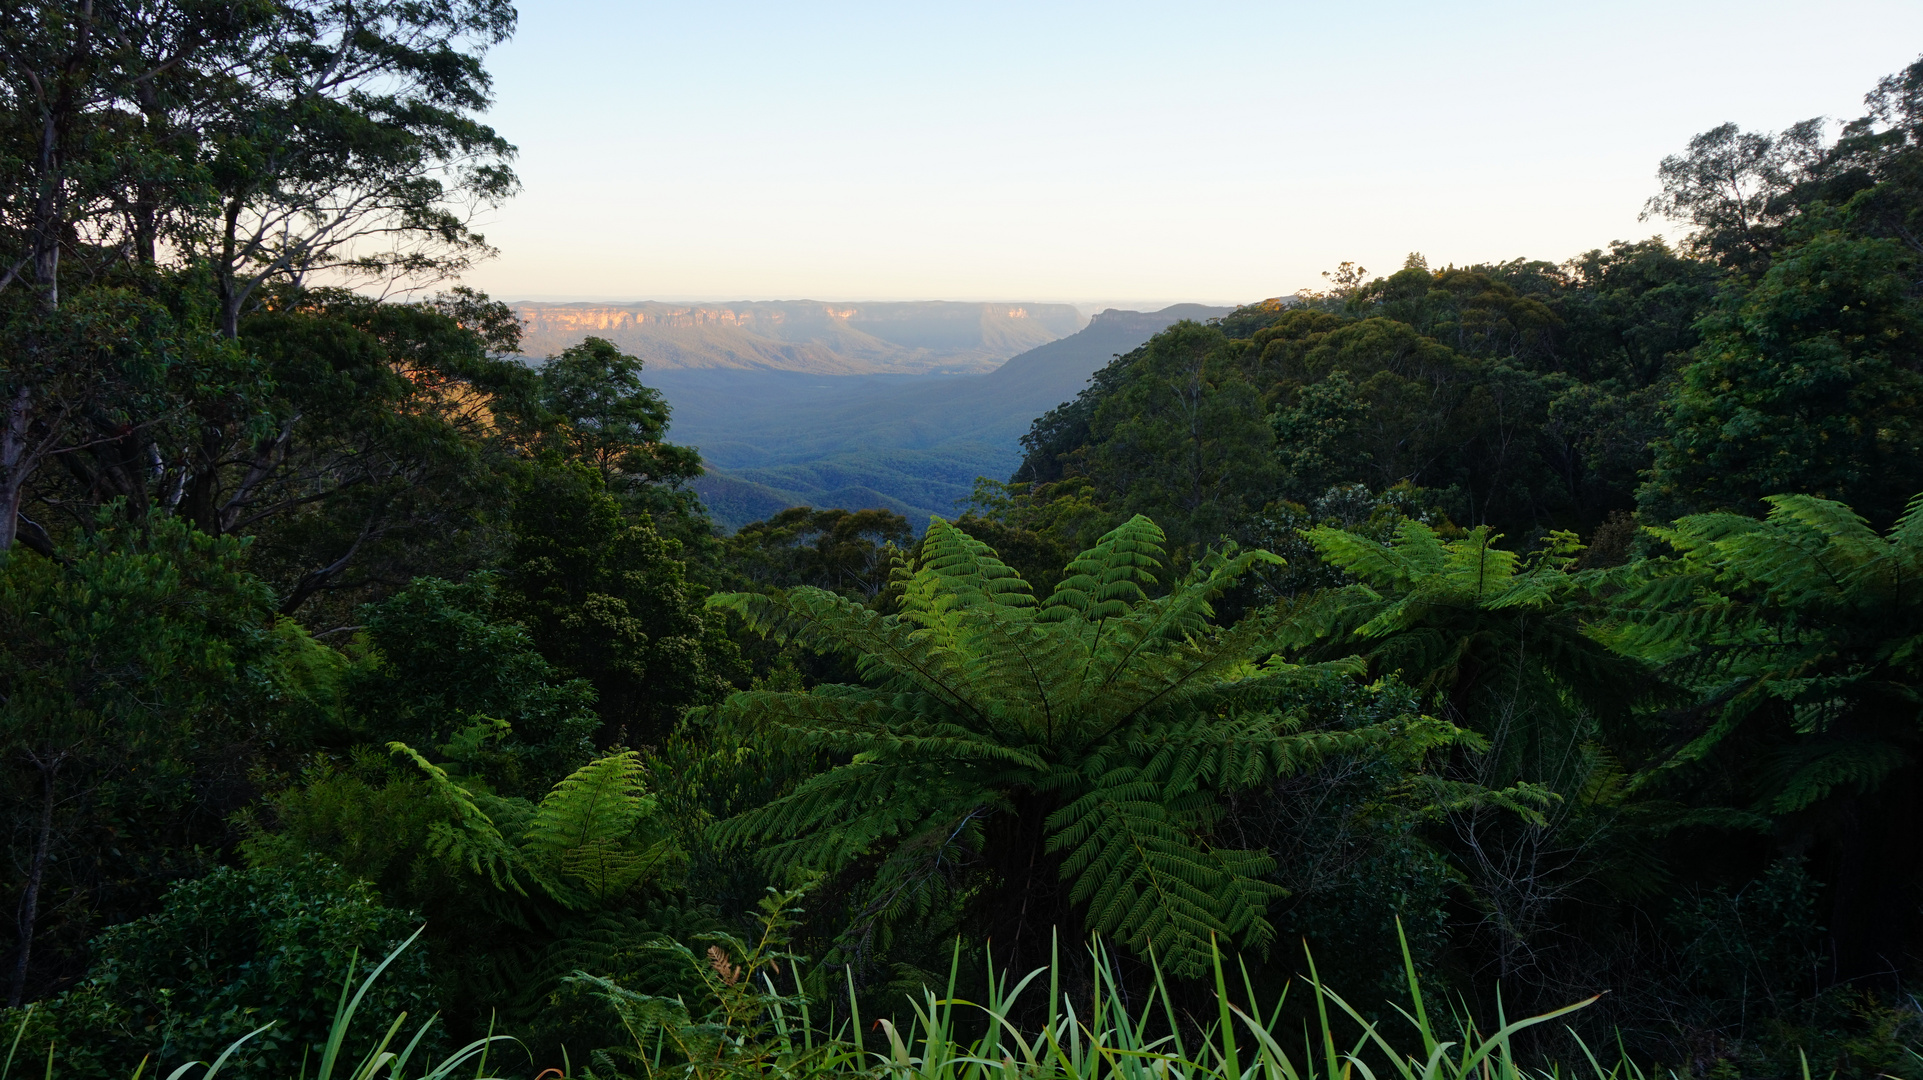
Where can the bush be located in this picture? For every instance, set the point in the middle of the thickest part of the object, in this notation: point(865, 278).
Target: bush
point(225, 955)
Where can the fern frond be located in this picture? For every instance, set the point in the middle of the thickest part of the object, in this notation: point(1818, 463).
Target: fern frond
point(1811, 773)
point(867, 721)
point(843, 814)
point(886, 644)
point(1908, 532)
point(957, 570)
point(583, 831)
point(1135, 859)
point(471, 838)
point(1107, 579)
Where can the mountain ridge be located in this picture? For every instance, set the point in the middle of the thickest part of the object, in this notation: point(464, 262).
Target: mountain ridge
point(928, 337)
point(911, 444)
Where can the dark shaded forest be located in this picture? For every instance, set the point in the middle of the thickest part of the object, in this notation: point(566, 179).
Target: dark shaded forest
point(1524, 632)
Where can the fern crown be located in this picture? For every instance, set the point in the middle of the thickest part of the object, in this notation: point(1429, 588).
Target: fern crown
point(1116, 716)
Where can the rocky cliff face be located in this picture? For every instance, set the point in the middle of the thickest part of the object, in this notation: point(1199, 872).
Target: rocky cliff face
point(934, 337)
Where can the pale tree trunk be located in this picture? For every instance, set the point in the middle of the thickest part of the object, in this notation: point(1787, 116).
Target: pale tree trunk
point(18, 456)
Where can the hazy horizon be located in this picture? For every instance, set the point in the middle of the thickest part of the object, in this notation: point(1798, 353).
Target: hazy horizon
point(1087, 307)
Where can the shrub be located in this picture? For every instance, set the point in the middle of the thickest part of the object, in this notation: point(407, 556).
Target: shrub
point(225, 955)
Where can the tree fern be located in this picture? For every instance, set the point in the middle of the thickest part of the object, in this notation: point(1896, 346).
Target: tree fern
point(1041, 763)
point(1495, 634)
point(469, 837)
point(1499, 640)
point(588, 841)
point(1800, 633)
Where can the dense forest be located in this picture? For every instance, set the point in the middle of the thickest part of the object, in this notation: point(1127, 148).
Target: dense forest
point(1513, 633)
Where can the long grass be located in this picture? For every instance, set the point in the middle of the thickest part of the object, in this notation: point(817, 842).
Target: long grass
point(1105, 1039)
point(1100, 1038)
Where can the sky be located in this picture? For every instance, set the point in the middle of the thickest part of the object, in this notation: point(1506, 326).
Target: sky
point(1114, 152)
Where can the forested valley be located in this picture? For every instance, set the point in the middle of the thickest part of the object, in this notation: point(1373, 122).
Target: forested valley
point(1345, 684)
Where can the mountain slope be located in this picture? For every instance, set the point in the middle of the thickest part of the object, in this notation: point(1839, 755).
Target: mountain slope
point(910, 444)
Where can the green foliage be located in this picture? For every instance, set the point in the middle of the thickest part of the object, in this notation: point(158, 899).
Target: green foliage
point(1757, 950)
point(383, 455)
point(1489, 631)
point(133, 673)
point(1354, 843)
point(604, 596)
point(1752, 963)
point(1107, 580)
point(747, 1028)
point(1185, 439)
point(1806, 622)
point(517, 893)
point(1808, 382)
point(586, 844)
point(1799, 635)
point(225, 955)
point(441, 660)
point(1035, 528)
point(1114, 725)
point(1528, 390)
point(1112, 1033)
point(1681, 762)
point(843, 551)
point(612, 422)
point(95, 384)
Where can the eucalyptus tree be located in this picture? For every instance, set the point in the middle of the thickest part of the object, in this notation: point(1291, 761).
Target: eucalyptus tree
point(347, 145)
point(188, 155)
point(73, 149)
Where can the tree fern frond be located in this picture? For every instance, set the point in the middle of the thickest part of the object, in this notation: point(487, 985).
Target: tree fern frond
point(1107, 579)
point(583, 831)
point(867, 721)
point(957, 570)
point(841, 815)
point(885, 644)
point(1147, 878)
point(1908, 532)
point(1370, 561)
point(1163, 635)
point(471, 838)
point(1810, 773)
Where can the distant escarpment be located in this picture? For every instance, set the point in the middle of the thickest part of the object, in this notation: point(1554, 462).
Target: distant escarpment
point(913, 445)
point(805, 336)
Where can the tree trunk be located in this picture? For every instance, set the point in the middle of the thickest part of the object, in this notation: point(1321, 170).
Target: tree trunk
point(16, 463)
point(29, 915)
point(201, 503)
point(1032, 905)
point(1872, 918)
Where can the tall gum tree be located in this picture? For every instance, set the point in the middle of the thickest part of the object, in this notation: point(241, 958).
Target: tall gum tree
point(254, 144)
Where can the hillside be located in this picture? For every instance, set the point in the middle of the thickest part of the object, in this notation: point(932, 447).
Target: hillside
point(899, 338)
point(911, 444)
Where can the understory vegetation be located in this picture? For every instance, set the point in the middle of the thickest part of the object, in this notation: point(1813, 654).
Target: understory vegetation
point(1474, 670)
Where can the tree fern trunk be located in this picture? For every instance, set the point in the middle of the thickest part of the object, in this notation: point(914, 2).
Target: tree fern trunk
point(1033, 899)
point(1875, 931)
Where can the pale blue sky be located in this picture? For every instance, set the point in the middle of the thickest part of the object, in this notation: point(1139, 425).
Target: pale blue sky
point(1118, 152)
